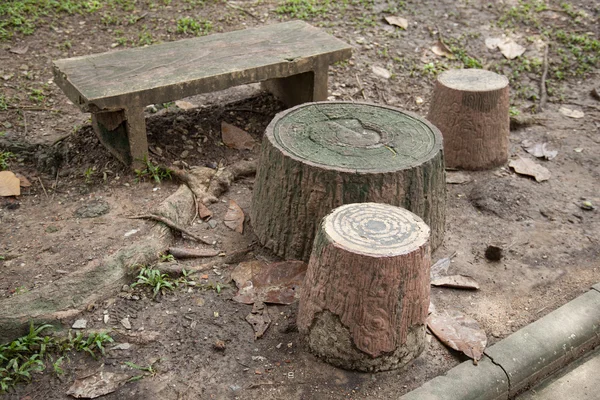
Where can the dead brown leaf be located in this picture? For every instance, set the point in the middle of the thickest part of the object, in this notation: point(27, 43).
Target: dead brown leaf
point(442, 50)
point(538, 150)
point(236, 138)
point(203, 211)
point(276, 283)
point(24, 182)
point(234, 218)
point(456, 282)
point(441, 266)
point(20, 49)
point(524, 166)
point(459, 332)
point(397, 21)
point(97, 385)
point(9, 184)
point(185, 105)
point(259, 319)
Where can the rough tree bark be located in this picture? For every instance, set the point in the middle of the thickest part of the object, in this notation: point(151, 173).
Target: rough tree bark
point(364, 301)
point(470, 107)
point(318, 156)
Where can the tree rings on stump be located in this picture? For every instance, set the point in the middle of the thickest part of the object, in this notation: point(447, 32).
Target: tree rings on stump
point(318, 156)
point(364, 301)
point(470, 107)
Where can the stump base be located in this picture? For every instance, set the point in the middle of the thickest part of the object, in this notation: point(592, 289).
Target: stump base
point(332, 341)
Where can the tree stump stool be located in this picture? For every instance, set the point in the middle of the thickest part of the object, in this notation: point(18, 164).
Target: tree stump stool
point(470, 107)
point(364, 301)
point(318, 156)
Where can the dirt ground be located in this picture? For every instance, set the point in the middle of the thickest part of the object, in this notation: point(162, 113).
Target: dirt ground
point(551, 244)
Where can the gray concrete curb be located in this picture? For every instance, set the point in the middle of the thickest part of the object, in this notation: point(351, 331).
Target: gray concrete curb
point(524, 358)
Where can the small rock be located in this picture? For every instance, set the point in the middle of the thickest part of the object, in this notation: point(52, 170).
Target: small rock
point(219, 345)
point(106, 318)
point(184, 154)
point(126, 324)
point(79, 324)
point(587, 205)
point(212, 223)
point(234, 388)
point(122, 346)
point(92, 209)
point(126, 288)
point(381, 72)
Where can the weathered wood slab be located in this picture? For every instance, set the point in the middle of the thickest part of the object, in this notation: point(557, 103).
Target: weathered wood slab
point(174, 70)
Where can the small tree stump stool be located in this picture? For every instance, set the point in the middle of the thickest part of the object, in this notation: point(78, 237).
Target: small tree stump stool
point(470, 107)
point(318, 156)
point(364, 301)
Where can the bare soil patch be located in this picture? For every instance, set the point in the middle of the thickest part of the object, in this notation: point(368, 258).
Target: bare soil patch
point(551, 248)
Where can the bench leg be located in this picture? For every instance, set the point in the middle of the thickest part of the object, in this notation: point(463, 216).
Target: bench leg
point(123, 133)
point(301, 88)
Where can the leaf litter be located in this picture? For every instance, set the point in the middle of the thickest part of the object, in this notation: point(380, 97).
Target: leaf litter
point(236, 138)
point(524, 166)
point(234, 218)
point(538, 150)
point(459, 332)
point(275, 283)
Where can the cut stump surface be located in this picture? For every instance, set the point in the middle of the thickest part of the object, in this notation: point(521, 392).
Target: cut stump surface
point(470, 107)
point(364, 301)
point(318, 156)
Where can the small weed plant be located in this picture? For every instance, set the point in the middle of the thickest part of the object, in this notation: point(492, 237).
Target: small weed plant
point(155, 172)
point(156, 280)
point(29, 354)
point(187, 25)
point(5, 157)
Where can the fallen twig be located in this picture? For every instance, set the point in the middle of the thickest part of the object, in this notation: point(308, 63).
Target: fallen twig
point(242, 10)
point(171, 225)
point(543, 92)
point(41, 183)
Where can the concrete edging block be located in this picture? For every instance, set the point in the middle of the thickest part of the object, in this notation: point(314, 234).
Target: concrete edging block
point(465, 382)
point(548, 344)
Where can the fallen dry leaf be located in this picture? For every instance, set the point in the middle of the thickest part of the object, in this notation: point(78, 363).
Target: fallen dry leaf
point(19, 49)
point(492, 43)
point(381, 72)
point(97, 385)
point(234, 218)
point(524, 166)
point(441, 266)
point(571, 113)
point(236, 138)
point(457, 178)
point(511, 49)
point(397, 21)
point(276, 283)
point(538, 150)
point(185, 105)
point(259, 319)
point(459, 332)
point(203, 211)
point(23, 181)
point(441, 49)
point(508, 47)
point(456, 282)
point(10, 185)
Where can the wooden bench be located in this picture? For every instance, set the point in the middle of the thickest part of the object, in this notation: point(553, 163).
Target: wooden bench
point(291, 59)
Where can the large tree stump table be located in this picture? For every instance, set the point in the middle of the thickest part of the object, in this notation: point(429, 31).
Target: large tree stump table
point(470, 107)
point(364, 301)
point(291, 59)
point(316, 157)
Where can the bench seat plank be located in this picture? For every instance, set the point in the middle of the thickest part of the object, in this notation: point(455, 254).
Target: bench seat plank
point(174, 70)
